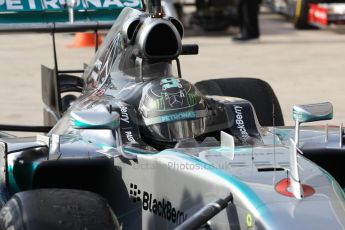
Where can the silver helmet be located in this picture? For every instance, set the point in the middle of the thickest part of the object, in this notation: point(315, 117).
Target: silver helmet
point(172, 109)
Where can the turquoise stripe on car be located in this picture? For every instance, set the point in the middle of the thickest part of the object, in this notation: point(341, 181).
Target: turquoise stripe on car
point(258, 206)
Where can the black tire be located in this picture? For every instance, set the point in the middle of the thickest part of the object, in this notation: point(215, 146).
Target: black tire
point(55, 209)
point(257, 91)
point(300, 14)
point(67, 101)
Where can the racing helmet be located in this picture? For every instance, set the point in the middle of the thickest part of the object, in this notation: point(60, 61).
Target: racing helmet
point(172, 109)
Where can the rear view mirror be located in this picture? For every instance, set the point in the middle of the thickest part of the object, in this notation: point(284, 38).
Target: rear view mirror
point(95, 120)
point(312, 112)
point(309, 113)
point(101, 120)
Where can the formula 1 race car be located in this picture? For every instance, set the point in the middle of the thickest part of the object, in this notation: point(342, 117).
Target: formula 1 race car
point(306, 14)
point(141, 148)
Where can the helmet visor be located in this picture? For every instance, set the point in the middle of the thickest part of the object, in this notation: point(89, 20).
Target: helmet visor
point(178, 130)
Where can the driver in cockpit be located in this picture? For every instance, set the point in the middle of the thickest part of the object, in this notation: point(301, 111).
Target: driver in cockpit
point(172, 110)
point(175, 113)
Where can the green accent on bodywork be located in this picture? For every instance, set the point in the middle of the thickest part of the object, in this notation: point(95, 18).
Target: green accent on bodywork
point(20, 176)
point(78, 124)
point(238, 150)
point(284, 134)
point(104, 146)
point(41, 17)
point(242, 188)
point(13, 187)
point(37, 11)
point(138, 151)
point(45, 5)
point(128, 149)
point(82, 125)
point(305, 117)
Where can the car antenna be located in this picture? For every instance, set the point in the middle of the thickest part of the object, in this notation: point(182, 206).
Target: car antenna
point(341, 135)
point(274, 135)
point(54, 53)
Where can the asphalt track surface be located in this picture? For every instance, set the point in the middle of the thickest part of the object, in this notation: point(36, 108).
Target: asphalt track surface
point(301, 66)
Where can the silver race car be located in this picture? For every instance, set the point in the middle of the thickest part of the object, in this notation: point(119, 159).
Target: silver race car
point(141, 148)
